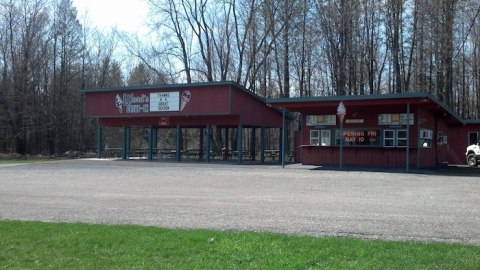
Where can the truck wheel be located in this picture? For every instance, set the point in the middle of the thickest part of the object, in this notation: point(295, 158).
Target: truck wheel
point(471, 160)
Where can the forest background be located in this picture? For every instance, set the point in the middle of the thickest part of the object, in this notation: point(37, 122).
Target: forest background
point(275, 48)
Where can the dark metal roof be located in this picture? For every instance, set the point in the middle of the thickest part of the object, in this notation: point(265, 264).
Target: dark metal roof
point(352, 97)
point(172, 86)
point(472, 121)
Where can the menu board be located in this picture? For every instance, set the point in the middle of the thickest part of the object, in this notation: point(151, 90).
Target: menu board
point(322, 120)
point(396, 119)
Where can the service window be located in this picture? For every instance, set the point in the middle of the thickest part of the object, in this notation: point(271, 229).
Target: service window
point(402, 138)
point(314, 137)
point(389, 138)
point(473, 137)
point(320, 137)
point(426, 138)
point(326, 138)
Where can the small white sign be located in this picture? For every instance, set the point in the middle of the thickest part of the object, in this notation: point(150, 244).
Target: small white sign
point(164, 102)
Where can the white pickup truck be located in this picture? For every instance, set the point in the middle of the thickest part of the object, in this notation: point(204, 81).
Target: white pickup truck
point(473, 155)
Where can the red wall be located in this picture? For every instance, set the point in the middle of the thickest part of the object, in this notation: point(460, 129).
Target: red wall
point(360, 157)
point(458, 141)
point(207, 100)
point(254, 111)
point(377, 156)
point(221, 105)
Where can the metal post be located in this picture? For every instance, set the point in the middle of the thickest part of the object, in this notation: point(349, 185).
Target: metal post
point(262, 145)
point(341, 145)
point(155, 140)
point(129, 133)
point(284, 129)
point(301, 136)
point(240, 143)
point(201, 144)
point(341, 112)
point(99, 140)
point(178, 140)
point(207, 154)
point(226, 150)
point(253, 145)
point(150, 143)
point(419, 146)
point(124, 143)
point(407, 158)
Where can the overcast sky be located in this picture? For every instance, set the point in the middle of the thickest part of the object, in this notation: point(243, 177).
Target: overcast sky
point(125, 15)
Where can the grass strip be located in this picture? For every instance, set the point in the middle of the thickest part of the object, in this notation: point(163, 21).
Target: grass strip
point(38, 245)
point(22, 161)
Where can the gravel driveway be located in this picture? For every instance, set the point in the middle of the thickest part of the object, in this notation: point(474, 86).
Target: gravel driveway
point(294, 200)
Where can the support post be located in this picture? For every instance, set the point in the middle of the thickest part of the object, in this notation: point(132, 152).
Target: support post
point(99, 140)
point(155, 141)
point(126, 142)
point(262, 145)
point(280, 144)
point(253, 144)
point(178, 142)
point(419, 146)
point(240, 143)
point(150, 143)
point(226, 150)
point(407, 152)
point(207, 151)
point(201, 145)
point(301, 136)
point(341, 145)
point(284, 130)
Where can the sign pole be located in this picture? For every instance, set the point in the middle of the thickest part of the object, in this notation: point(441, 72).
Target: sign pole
point(341, 111)
point(341, 145)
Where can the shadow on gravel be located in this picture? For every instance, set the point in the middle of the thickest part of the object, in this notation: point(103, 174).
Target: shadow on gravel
point(451, 170)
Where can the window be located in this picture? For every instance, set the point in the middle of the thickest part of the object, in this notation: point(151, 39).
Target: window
point(389, 138)
point(426, 138)
point(320, 137)
point(395, 138)
point(473, 137)
point(321, 120)
point(314, 137)
point(402, 138)
point(326, 137)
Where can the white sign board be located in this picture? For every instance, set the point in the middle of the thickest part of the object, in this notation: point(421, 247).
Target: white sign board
point(164, 101)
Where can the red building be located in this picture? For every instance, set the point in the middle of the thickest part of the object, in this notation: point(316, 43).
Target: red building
point(410, 130)
point(201, 105)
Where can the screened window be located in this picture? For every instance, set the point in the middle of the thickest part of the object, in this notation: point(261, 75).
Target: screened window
point(326, 137)
point(401, 138)
point(320, 137)
point(426, 138)
point(389, 138)
point(473, 138)
point(314, 137)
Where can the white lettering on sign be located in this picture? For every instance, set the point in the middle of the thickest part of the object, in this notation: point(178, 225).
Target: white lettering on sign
point(164, 101)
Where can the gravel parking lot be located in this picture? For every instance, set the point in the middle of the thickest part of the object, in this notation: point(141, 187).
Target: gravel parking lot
point(294, 200)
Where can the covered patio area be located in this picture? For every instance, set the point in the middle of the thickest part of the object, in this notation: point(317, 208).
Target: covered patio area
point(227, 122)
